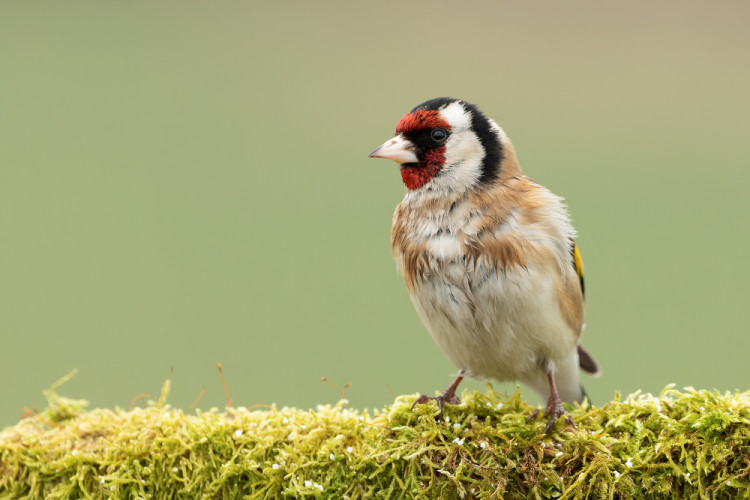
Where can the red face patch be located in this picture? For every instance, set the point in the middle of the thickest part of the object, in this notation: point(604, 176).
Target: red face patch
point(433, 159)
point(417, 176)
point(421, 119)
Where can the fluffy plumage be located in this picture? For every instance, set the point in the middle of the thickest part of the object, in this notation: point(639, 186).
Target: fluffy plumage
point(488, 255)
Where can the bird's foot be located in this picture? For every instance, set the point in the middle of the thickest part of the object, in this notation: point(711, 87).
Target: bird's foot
point(441, 400)
point(448, 396)
point(553, 410)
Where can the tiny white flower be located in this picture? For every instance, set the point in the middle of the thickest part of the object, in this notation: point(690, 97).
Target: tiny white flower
point(447, 420)
point(687, 474)
point(303, 427)
point(143, 481)
point(275, 466)
point(286, 420)
point(459, 442)
point(332, 456)
point(75, 452)
point(102, 481)
point(238, 433)
point(629, 462)
point(729, 483)
point(175, 469)
point(617, 474)
point(483, 445)
point(702, 409)
point(349, 449)
point(308, 484)
point(499, 406)
point(559, 454)
point(320, 487)
point(456, 426)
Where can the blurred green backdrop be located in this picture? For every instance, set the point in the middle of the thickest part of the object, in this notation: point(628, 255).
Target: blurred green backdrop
point(183, 183)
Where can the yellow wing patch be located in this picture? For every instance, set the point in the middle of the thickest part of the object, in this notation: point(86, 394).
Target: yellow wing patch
point(578, 263)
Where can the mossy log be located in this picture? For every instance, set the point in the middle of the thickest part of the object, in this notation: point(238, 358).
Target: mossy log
point(680, 444)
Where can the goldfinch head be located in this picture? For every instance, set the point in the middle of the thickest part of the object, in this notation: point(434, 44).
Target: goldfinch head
point(445, 144)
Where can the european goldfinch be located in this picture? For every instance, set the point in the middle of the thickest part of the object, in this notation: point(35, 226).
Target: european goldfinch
point(488, 255)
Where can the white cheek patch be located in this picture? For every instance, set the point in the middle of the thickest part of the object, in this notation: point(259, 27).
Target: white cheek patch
point(463, 162)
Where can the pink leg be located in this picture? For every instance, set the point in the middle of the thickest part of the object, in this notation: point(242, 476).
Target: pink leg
point(554, 409)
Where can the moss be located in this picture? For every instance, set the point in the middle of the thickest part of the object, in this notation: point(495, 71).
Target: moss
point(691, 444)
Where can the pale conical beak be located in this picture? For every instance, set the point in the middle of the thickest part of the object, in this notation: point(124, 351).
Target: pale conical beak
point(398, 149)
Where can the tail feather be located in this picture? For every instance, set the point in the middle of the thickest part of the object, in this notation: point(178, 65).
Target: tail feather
point(587, 362)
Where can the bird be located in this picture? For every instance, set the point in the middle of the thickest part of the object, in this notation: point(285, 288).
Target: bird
point(488, 255)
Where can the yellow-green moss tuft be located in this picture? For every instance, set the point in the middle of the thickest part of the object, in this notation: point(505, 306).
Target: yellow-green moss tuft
point(679, 445)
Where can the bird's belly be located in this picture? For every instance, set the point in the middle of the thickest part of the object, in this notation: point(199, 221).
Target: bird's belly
point(502, 325)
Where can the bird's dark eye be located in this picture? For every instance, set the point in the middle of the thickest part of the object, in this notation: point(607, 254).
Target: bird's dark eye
point(439, 135)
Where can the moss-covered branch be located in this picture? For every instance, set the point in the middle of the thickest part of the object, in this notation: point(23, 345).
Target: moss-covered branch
point(680, 444)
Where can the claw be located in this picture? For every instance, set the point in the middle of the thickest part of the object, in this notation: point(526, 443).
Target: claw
point(449, 396)
point(533, 416)
point(420, 400)
point(554, 411)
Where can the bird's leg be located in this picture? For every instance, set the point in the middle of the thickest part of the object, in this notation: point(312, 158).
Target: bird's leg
point(449, 396)
point(554, 408)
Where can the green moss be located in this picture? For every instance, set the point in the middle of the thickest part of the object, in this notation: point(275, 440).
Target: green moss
point(679, 445)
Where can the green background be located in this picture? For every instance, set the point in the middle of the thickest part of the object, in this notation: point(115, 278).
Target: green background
point(183, 183)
